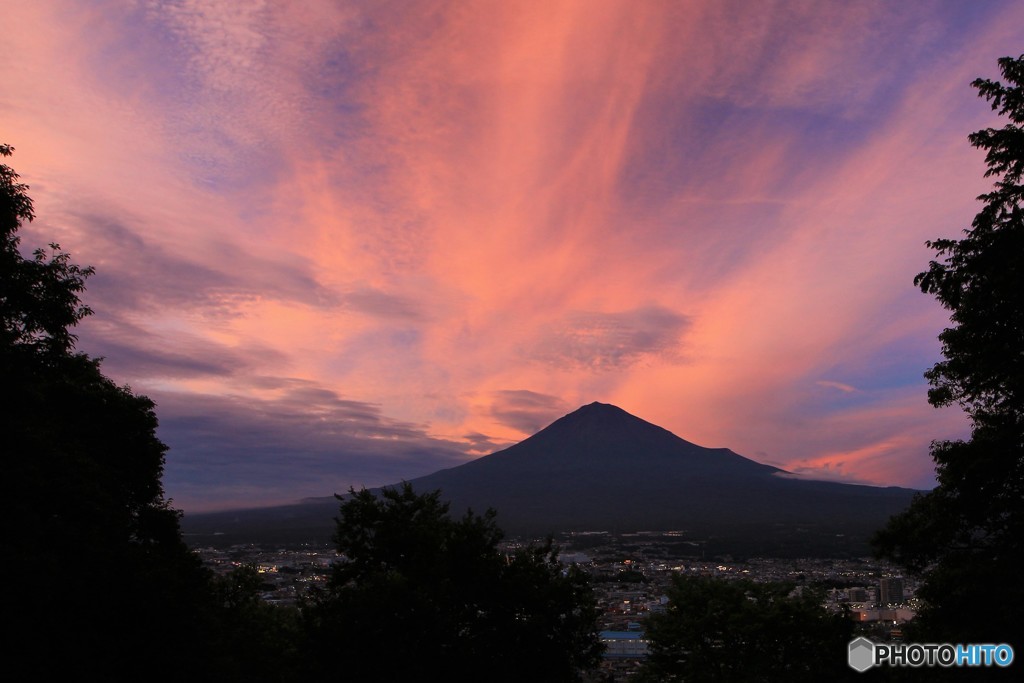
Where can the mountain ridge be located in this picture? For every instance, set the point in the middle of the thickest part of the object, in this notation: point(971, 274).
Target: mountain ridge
point(601, 468)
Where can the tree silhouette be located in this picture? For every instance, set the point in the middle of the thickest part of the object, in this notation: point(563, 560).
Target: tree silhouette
point(99, 583)
point(965, 537)
point(738, 630)
point(422, 596)
point(38, 296)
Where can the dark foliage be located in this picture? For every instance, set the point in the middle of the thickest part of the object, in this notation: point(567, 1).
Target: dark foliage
point(965, 537)
point(422, 596)
point(719, 630)
point(38, 296)
point(99, 584)
point(254, 640)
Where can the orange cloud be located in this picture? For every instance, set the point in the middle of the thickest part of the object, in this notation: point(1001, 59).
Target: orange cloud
point(473, 215)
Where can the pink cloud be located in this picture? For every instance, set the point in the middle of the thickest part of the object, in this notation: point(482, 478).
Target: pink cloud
point(474, 214)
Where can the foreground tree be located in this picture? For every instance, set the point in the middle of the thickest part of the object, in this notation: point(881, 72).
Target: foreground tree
point(251, 639)
point(422, 596)
point(98, 576)
point(720, 630)
point(965, 537)
point(98, 582)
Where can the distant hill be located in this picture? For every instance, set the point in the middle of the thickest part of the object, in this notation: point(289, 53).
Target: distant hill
point(600, 468)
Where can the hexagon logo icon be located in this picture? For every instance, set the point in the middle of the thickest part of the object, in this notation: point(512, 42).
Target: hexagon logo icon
point(861, 654)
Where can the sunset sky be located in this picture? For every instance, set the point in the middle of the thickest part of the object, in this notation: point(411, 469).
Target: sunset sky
point(350, 243)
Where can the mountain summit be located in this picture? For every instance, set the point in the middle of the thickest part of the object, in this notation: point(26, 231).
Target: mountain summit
point(600, 445)
point(600, 436)
point(600, 468)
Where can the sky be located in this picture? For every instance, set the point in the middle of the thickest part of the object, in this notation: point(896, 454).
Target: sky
point(351, 243)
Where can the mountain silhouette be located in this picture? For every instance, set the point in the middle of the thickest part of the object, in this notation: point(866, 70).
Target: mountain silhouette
point(600, 468)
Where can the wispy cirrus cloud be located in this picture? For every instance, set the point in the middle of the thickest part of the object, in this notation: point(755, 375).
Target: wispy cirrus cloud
point(137, 273)
point(839, 386)
point(608, 341)
point(468, 218)
point(527, 411)
point(293, 435)
point(146, 355)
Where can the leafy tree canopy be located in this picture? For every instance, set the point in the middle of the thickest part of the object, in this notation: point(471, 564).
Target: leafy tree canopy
point(965, 536)
point(420, 595)
point(39, 301)
point(100, 584)
point(738, 630)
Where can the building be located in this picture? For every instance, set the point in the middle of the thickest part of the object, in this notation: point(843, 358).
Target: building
point(890, 591)
point(624, 644)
